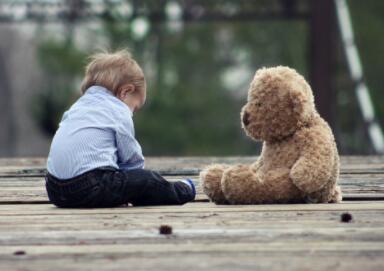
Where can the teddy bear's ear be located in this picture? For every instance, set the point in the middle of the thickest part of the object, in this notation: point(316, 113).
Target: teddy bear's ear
point(302, 103)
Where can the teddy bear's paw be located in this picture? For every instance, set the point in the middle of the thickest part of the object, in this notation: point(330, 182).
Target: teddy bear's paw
point(336, 196)
point(210, 179)
point(307, 176)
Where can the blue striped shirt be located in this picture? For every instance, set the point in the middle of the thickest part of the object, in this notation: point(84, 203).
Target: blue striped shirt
point(96, 131)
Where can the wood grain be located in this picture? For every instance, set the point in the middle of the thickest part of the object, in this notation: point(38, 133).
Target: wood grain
point(32, 189)
point(173, 166)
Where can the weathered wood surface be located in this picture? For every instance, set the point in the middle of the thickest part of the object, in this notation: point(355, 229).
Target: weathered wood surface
point(32, 189)
point(21, 180)
point(186, 165)
point(35, 235)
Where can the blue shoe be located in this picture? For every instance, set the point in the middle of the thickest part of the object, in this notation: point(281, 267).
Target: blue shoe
point(190, 183)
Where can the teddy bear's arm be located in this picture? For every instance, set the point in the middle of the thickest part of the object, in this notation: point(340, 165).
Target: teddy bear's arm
point(313, 169)
point(259, 162)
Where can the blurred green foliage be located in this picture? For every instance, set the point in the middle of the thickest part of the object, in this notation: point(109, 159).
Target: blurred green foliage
point(60, 59)
point(198, 78)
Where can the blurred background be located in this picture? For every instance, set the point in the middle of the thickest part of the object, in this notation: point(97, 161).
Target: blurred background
point(199, 57)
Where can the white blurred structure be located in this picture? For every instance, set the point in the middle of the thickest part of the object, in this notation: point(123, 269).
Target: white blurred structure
point(174, 13)
point(356, 72)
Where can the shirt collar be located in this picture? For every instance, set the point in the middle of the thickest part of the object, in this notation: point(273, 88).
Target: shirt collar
point(99, 90)
point(106, 93)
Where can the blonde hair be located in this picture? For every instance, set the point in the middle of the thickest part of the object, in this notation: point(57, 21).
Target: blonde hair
point(112, 70)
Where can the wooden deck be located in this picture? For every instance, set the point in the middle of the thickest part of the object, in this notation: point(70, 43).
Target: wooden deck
point(34, 235)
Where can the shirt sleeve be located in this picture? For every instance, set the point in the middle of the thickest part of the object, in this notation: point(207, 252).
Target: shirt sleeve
point(129, 151)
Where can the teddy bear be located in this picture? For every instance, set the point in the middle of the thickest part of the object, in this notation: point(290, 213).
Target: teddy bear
point(299, 161)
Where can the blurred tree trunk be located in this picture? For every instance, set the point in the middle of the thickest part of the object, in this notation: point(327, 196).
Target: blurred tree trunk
point(322, 25)
point(7, 134)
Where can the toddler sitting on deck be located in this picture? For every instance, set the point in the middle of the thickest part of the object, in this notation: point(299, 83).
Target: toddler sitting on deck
point(94, 159)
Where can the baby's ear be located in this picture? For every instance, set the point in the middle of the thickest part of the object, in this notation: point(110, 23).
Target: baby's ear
point(125, 90)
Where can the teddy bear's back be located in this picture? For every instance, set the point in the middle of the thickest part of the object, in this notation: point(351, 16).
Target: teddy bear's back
point(324, 141)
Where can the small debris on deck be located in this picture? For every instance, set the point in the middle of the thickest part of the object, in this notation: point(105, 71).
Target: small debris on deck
point(165, 229)
point(346, 217)
point(19, 252)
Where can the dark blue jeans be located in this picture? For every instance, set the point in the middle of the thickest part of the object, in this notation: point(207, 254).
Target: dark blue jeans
point(109, 187)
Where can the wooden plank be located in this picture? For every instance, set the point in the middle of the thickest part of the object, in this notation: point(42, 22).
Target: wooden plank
point(269, 261)
point(185, 165)
point(197, 236)
point(211, 221)
point(376, 178)
point(295, 246)
point(218, 226)
point(32, 189)
point(197, 207)
point(38, 195)
point(26, 162)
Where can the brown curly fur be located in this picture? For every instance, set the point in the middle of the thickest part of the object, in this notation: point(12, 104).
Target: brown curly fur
point(299, 161)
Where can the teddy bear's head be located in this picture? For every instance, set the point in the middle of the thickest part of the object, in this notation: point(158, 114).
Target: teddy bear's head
point(279, 102)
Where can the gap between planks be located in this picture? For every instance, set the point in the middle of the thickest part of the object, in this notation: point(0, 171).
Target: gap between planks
point(284, 246)
point(27, 209)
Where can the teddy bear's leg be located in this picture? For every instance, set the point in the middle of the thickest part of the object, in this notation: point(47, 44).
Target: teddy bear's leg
point(241, 185)
point(210, 179)
point(336, 196)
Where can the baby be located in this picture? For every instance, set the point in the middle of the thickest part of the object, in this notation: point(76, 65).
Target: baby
point(95, 160)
